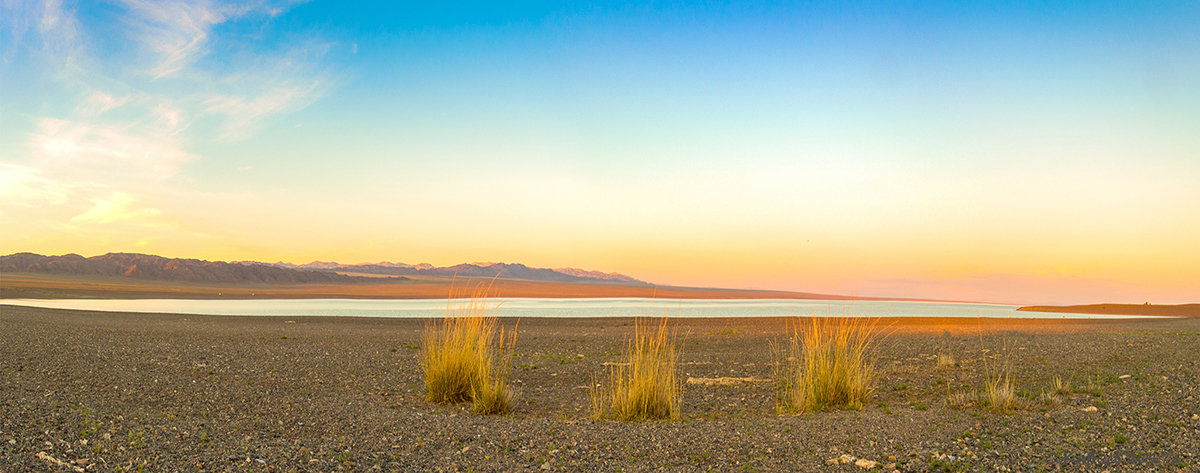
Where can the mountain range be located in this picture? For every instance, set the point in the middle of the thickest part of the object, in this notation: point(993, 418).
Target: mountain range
point(467, 270)
point(140, 266)
point(151, 267)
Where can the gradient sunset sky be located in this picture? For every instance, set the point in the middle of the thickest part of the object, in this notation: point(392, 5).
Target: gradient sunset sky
point(996, 151)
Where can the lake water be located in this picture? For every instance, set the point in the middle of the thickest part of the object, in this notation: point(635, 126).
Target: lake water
point(537, 307)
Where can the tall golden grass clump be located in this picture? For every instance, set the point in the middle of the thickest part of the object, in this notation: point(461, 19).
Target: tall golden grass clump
point(644, 385)
point(464, 358)
point(831, 364)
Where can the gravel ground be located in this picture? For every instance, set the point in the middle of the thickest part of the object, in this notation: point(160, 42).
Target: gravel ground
point(93, 391)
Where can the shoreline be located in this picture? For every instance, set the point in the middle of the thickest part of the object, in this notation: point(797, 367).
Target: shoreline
point(915, 324)
point(177, 306)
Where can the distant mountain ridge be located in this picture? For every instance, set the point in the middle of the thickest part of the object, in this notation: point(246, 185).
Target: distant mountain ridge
point(467, 270)
point(141, 266)
point(151, 267)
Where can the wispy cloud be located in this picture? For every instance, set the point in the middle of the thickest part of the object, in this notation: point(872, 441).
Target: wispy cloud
point(78, 145)
point(243, 113)
point(116, 207)
point(99, 102)
point(274, 85)
point(177, 31)
point(56, 30)
point(26, 186)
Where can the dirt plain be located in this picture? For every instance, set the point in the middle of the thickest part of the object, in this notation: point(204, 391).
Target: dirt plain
point(96, 391)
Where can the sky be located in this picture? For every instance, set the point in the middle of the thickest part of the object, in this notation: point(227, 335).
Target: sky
point(1021, 152)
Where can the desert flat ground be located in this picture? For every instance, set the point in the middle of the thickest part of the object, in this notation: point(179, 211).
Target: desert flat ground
point(163, 392)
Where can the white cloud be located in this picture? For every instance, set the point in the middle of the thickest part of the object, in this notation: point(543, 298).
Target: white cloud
point(138, 132)
point(120, 127)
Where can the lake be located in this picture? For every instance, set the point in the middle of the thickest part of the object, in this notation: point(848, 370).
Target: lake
point(554, 307)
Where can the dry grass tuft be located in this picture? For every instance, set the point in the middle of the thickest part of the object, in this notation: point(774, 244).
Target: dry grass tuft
point(644, 386)
point(946, 361)
point(998, 393)
point(463, 359)
point(828, 365)
point(1061, 387)
point(1049, 399)
point(960, 399)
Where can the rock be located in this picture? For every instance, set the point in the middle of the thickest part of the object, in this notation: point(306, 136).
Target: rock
point(725, 381)
point(846, 458)
point(56, 462)
point(889, 466)
point(1090, 409)
point(546, 466)
point(865, 464)
point(1124, 376)
point(832, 461)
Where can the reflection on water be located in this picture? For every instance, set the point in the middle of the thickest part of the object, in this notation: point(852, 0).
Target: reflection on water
point(530, 307)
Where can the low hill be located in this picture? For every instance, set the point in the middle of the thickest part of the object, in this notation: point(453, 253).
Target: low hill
point(158, 268)
point(1180, 310)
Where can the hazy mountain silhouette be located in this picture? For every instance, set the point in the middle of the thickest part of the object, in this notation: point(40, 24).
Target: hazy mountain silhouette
point(471, 270)
point(140, 266)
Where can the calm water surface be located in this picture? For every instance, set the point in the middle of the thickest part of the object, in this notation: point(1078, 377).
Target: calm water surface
point(530, 307)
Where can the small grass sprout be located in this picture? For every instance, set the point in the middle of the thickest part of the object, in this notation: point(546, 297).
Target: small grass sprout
point(960, 399)
point(1061, 387)
point(1049, 399)
point(946, 361)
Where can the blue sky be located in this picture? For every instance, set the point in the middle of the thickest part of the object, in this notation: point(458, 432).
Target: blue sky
point(998, 151)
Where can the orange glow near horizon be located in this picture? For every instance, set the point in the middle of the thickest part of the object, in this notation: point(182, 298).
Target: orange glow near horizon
point(946, 266)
